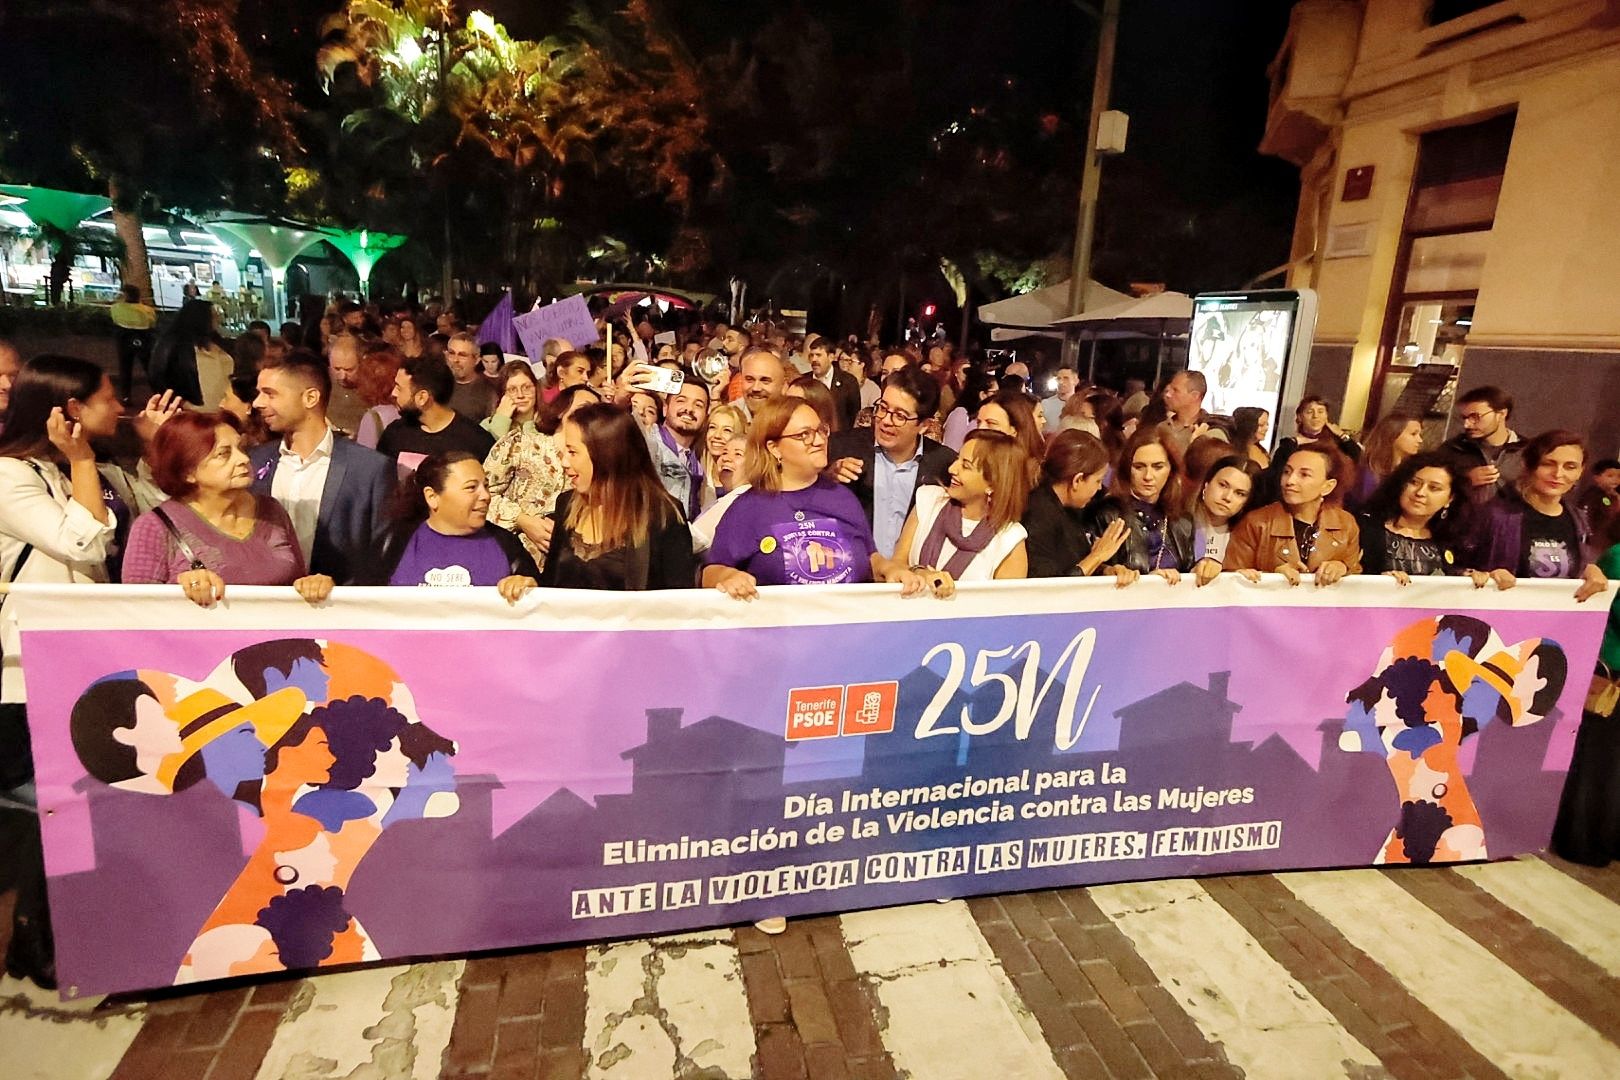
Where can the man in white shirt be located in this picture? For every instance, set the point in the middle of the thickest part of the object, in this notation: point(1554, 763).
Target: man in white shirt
point(335, 490)
point(1068, 381)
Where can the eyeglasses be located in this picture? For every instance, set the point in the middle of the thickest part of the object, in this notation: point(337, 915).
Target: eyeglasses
point(1476, 417)
point(811, 437)
point(881, 409)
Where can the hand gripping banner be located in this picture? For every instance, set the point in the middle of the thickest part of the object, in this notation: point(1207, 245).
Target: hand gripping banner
point(268, 786)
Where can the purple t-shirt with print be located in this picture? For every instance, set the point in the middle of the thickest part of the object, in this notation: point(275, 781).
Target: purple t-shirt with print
point(432, 558)
point(816, 536)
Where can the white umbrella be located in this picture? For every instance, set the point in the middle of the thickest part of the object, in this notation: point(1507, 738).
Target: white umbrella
point(1164, 305)
point(1040, 309)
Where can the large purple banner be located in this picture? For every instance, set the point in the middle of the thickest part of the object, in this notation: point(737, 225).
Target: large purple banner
point(268, 786)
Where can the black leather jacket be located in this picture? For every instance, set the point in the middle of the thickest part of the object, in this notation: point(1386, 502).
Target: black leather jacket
point(1136, 551)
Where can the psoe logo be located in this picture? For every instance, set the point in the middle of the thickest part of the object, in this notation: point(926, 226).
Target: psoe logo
point(812, 712)
point(821, 712)
point(869, 708)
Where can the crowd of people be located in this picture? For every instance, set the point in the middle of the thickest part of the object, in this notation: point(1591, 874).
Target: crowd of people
point(390, 448)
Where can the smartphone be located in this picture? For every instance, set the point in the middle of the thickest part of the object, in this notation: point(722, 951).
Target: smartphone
point(661, 380)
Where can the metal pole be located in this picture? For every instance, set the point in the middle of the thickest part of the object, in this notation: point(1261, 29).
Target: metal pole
point(447, 276)
point(967, 318)
point(1091, 178)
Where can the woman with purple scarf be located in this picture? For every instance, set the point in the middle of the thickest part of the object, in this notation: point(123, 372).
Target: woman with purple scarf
point(971, 531)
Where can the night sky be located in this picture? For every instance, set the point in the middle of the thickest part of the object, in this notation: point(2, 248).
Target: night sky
point(1190, 73)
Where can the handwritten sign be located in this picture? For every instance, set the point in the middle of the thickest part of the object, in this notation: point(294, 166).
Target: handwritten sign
point(568, 319)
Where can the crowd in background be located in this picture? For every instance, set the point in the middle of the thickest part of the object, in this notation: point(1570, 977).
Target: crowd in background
point(389, 447)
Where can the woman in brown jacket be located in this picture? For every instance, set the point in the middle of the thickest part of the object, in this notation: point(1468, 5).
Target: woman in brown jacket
point(1307, 531)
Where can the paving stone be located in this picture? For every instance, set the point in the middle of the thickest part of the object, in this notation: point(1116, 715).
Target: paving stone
point(1115, 992)
point(472, 1039)
point(812, 1014)
point(1108, 1038)
point(212, 1022)
point(241, 1057)
point(826, 1062)
point(767, 999)
point(523, 985)
point(780, 1053)
point(1156, 1047)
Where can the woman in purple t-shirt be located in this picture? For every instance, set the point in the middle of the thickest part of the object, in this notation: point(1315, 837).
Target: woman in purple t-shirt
point(793, 526)
point(213, 530)
point(443, 537)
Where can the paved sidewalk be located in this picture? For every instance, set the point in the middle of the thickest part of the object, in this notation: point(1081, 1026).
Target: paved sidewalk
point(1502, 970)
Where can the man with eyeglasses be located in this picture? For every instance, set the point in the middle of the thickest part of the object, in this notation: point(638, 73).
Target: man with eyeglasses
point(474, 396)
point(884, 464)
point(1488, 450)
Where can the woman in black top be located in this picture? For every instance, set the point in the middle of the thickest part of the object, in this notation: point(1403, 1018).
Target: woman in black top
point(1409, 526)
point(1059, 543)
point(1146, 496)
point(617, 528)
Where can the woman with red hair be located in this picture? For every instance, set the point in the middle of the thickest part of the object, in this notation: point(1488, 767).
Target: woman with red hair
point(213, 530)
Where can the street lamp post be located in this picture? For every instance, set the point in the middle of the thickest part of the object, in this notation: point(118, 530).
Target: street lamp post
point(1091, 178)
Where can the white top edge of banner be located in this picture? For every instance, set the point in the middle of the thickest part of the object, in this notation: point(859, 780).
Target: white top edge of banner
point(134, 607)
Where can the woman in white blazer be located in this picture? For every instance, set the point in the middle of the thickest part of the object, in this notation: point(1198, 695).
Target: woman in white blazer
point(56, 527)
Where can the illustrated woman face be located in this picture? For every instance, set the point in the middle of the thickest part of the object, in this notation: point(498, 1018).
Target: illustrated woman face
point(153, 736)
point(234, 758)
point(308, 761)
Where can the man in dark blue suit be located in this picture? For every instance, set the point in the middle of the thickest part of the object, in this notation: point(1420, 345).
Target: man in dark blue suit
point(335, 490)
point(886, 463)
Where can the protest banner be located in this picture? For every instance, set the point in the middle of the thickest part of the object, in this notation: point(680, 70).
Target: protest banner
point(404, 772)
point(568, 319)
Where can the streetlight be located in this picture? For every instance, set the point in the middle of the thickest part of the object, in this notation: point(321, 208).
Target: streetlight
point(1091, 177)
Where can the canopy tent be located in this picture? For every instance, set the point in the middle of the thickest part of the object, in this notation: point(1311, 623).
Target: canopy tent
point(278, 242)
point(1013, 333)
point(1164, 316)
point(62, 210)
point(1159, 307)
point(362, 248)
point(1040, 309)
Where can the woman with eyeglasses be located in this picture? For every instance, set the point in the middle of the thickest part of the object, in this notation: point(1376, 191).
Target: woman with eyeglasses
point(793, 526)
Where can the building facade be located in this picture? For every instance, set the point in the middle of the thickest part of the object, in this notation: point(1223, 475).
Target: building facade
point(1459, 210)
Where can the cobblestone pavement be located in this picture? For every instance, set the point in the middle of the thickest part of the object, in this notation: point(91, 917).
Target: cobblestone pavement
point(1507, 969)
